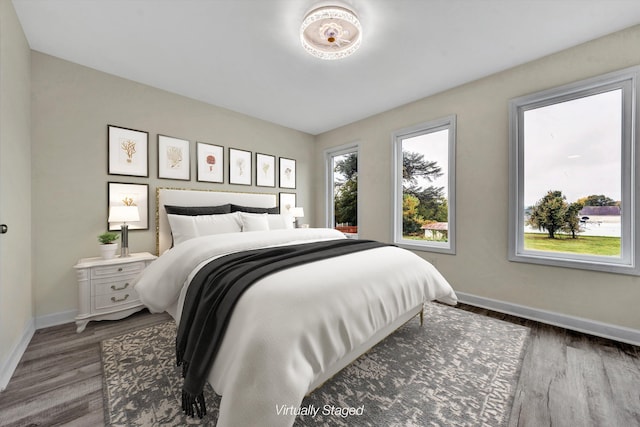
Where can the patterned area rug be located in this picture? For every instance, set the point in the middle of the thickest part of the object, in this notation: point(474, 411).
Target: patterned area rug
point(460, 369)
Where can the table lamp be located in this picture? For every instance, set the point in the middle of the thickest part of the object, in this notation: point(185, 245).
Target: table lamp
point(124, 214)
point(297, 212)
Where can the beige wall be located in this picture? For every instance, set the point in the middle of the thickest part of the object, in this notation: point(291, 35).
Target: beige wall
point(71, 108)
point(72, 105)
point(15, 184)
point(480, 266)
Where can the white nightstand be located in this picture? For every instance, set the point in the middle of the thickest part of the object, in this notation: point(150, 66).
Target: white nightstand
point(106, 287)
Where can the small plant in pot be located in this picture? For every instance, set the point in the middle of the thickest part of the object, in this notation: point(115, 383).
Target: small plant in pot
point(108, 246)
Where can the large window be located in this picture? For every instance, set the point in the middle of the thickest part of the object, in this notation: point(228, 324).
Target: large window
point(424, 186)
point(342, 189)
point(573, 162)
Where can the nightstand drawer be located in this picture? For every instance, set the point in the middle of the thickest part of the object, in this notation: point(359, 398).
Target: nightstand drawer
point(112, 270)
point(109, 286)
point(106, 287)
point(116, 299)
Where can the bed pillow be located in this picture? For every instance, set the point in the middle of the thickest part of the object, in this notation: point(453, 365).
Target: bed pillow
point(249, 209)
point(185, 227)
point(280, 222)
point(198, 210)
point(254, 222)
point(182, 228)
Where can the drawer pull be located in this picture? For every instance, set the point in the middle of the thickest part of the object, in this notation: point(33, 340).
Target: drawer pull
point(120, 269)
point(114, 299)
point(113, 287)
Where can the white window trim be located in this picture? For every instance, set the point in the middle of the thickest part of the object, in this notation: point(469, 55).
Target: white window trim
point(449, 123)
point(329, 154)
point(628, 262)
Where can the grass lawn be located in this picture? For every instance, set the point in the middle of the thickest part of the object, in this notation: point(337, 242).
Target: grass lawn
point(589, 245)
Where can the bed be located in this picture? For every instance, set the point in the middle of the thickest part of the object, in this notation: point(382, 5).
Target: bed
point(294, 329)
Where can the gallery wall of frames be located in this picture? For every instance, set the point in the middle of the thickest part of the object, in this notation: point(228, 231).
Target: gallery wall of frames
point(128, 156)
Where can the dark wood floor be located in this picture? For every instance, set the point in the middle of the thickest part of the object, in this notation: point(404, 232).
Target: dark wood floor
point(567, 378)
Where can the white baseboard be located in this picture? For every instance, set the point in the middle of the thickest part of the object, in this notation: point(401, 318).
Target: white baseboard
point(587, 326)
point(8, 366)
point(56, 319)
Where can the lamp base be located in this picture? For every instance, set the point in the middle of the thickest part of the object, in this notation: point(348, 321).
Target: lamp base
point(124, 241)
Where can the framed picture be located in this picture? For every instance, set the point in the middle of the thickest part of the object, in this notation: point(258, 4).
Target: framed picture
point(287, 173)
point(173, 158)
point(123, 194)
point(265, 170)
point(127, 151)
point(210, 161)
point(287, 202)
point(239, 167)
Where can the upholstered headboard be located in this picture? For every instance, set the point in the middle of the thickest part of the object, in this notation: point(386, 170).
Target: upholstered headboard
point(181, 197)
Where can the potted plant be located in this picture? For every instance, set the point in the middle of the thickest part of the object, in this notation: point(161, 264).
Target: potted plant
point(108, 246)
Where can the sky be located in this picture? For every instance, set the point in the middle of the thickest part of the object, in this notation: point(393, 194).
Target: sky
point(434, 146)
point(574, 147)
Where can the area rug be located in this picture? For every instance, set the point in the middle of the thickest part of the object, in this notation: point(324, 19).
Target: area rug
point(459, 369)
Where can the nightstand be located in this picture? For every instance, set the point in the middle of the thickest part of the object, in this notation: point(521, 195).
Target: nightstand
point(106, 287)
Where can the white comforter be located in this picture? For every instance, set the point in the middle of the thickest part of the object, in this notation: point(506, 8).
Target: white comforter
point(292, 326)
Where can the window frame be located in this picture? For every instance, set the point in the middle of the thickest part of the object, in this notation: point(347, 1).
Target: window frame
point(329, 154)
point(445, 123)
point(627, 263)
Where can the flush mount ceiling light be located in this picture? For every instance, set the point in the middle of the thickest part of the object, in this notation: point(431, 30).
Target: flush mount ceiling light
point(331, 32)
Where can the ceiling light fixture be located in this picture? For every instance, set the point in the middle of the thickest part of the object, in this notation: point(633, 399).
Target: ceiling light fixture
point(331, 32)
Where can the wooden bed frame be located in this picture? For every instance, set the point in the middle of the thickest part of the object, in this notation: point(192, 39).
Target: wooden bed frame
point(213, 198)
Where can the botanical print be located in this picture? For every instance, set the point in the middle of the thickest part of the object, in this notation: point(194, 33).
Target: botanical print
point(287, 173)
point(265, 170)
point(129, 147)
point(173, 158)
point(128, 201)
point(239, 167)
point(127, 151)
point(287, 202)
point(122, 194)
point(210, 162)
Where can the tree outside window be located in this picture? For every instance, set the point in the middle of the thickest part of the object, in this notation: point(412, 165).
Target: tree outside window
point(424, 190)
point(572, 162)
point(342, 189)
point(346, 190)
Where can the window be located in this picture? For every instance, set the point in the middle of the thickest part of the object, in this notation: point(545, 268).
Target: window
point(342, 189)
point(573, 162)
point(424, 186)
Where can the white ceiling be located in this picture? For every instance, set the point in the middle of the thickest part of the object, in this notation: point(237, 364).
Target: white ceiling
point(245, 55)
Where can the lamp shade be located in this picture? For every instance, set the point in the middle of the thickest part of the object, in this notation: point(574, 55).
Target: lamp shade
point(124, 214)
point(297, 212)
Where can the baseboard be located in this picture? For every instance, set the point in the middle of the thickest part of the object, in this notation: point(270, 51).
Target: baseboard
point(56, 319)
point(587, 326)
point(8, 366)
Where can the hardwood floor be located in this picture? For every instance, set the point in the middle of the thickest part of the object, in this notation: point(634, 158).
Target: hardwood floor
point(567, 378)
point(59, 378)
point(572, 379)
